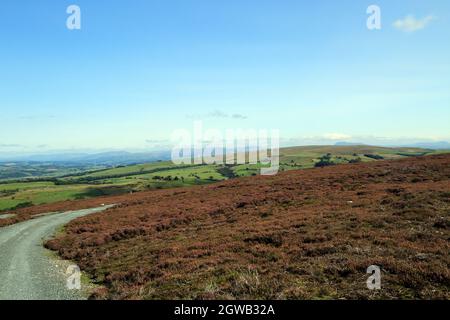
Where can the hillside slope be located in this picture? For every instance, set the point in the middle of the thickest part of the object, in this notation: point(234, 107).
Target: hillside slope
point(298, 235)
point(87, 184)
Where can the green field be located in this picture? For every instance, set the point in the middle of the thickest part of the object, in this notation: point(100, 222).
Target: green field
point(29, 170)
point(161, 175)
point(28, 193)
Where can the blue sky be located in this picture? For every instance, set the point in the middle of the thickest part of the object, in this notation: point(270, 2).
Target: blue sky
point(137, 70)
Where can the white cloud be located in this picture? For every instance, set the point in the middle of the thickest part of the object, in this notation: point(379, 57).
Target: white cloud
point(12, 145)
point(411, 24)
point(217, 114)
point(238, 116)
point(220, 114)
point(336, 136)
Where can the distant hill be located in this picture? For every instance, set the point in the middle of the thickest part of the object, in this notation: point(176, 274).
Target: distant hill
point(344, 143)
point(441, 145)
point(303, 157)
point(111, 158)
point(438, 145)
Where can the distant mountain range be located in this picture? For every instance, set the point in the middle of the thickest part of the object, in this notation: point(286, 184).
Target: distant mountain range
point(432, 145)
point(114, 158)
point(343, 143)
point(439, 145)
point(104, 158)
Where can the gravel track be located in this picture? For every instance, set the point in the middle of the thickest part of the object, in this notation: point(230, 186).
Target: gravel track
point(27, 270)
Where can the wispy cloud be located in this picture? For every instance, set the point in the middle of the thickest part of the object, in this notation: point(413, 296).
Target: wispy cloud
point(336, 136)
point(411, 24)
point(5, 145)
point(217, 114)
point(238, 116)
point(158, 143)
point(36, 117)
point(153, 141)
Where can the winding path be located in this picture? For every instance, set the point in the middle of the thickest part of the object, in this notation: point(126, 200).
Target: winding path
point(27, 270)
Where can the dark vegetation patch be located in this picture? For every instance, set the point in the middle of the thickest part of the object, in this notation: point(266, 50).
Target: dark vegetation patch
point(227, 171)
point(105, 191)
point(272, 240)
point(324, 161)
point(24, 204)
point(374, 156)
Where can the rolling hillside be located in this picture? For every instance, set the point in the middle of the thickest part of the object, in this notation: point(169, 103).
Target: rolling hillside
point(127, 179)
point(304, 234)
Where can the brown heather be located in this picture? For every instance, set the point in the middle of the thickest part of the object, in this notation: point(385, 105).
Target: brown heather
point(308, 234)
